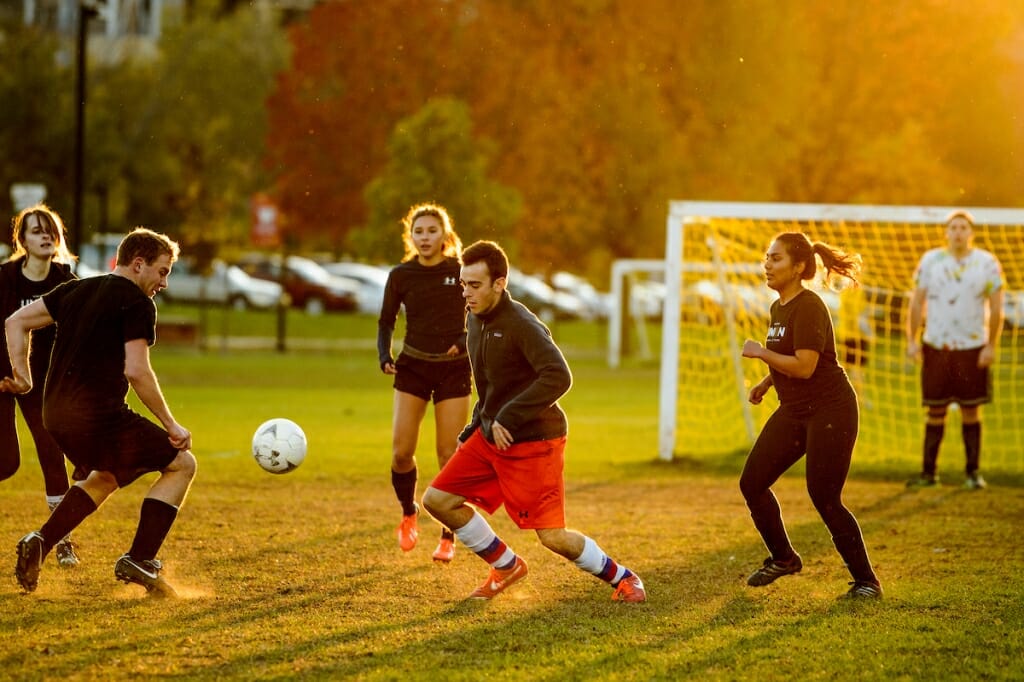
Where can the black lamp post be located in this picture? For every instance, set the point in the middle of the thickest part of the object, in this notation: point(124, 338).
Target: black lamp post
point(86, 10)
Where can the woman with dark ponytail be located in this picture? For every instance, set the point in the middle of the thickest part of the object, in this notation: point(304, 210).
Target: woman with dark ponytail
point(817, 415)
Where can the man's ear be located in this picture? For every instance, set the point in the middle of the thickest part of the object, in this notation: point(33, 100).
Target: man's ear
point(501, 283)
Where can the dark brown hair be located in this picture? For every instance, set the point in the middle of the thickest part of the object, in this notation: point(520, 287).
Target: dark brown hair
point(836, 261)
point(491, 254)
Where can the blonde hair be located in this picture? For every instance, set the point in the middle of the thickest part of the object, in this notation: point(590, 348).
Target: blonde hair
point(53, 225)
point(959, 213)
point(452, 246)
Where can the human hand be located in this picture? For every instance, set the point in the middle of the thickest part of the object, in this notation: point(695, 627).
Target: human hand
point(389, 368)
point(179, 437)
point(752, 349)
point(15, 384)
point(987, 356)
point(502, 437)
point(453, 351)
point(914, 351)
point(757, 393)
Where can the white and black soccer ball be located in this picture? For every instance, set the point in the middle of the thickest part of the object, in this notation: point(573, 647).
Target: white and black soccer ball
point(279, 445)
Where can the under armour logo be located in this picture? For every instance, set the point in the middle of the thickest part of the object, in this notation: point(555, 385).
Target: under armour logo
point(524, 514)
point(449, 281)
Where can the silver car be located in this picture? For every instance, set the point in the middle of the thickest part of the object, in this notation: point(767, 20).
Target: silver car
point(225, 284)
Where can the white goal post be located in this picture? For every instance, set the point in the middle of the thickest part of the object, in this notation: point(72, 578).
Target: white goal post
point(714, 294)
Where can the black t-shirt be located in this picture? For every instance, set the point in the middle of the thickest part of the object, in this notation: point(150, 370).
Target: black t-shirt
point(435, 312)
point(95, 318)
point(804, 323)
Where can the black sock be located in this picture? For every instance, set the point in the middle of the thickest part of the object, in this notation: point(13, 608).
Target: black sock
point(405, 489)
point(932, 440)
point(446, 534)
point(71, 511)
point(972, 446)
point(155, 521)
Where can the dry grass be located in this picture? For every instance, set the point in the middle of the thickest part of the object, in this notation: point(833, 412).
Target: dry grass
point(300, 575)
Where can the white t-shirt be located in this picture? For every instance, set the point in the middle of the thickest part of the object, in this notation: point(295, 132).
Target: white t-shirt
point(956, 291)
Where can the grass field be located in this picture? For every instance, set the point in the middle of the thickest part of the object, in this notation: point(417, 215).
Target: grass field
point(300, 575)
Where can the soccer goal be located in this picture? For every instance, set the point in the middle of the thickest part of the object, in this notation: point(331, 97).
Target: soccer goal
point(716, 298)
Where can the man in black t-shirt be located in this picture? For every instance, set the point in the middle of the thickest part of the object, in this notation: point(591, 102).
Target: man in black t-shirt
point(105, 326)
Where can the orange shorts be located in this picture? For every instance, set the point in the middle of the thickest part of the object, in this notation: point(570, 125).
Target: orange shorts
point(526, 478)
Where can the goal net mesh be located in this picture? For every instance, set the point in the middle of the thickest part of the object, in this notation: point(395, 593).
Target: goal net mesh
point(723, 300)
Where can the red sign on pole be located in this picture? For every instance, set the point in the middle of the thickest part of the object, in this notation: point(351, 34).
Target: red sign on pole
point(265, 228)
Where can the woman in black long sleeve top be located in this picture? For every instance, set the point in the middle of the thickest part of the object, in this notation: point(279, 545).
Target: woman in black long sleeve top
point(433, 363)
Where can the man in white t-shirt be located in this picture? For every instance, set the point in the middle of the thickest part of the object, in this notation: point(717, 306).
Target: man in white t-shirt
point(958, 297)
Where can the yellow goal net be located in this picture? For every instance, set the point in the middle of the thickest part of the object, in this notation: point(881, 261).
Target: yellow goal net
point(716, 298)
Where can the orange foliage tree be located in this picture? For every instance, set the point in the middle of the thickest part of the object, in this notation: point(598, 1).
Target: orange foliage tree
point(602, 111)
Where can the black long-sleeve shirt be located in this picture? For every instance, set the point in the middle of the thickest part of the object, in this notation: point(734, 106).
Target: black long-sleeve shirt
point(519, 373)
point(435, 312)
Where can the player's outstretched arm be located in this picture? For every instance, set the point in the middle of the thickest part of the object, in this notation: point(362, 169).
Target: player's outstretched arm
point(142, 378)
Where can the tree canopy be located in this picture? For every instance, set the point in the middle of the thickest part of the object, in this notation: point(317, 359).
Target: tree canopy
point(602, 112)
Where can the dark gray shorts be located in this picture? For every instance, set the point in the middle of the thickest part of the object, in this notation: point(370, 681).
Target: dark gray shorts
point(440, 380)
point(953, 376)
point(128, 446)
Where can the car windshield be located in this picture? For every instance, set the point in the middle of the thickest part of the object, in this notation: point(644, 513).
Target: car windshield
point(309, 270)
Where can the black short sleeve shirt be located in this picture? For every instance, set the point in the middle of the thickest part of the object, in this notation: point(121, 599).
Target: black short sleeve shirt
point(95, 318)
point(804, 323)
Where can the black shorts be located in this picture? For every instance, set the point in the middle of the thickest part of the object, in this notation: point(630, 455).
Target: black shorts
point(855, 351)
point(128, 446)
point(441, 380)
point(953, 376)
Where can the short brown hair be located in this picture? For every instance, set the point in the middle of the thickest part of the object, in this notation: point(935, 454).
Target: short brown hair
point(491, 254)
point(146, 244)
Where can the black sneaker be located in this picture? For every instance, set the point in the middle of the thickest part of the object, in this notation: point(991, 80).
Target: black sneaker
point(923, 481)
point(145, 573)
point(772, 570)
point(30, 561)
point(65, 553)
point(863, 590)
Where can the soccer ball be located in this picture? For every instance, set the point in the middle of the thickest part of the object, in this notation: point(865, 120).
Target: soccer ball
point(279, 445)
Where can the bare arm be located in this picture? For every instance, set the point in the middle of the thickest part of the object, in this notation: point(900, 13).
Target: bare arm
point(915, 316)
point(142, 378)
point(758, 390)
point(995, 328)
point(799, 366)
point(18, 329)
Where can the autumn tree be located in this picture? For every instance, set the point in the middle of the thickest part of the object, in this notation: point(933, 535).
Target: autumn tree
point(433, 156)
point(356, 69)
point(36, 133)
point(191, 124)
point(601, 112)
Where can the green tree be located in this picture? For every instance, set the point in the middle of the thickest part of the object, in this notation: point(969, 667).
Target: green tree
point(181, 134)
point(433, 156)
point(36, 119)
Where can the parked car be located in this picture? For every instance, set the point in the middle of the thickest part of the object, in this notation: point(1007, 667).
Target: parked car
point(83, 270)
point(596, 305)
point(307, 284)
point(546, 303)
point(372, 281)
point(225, 284)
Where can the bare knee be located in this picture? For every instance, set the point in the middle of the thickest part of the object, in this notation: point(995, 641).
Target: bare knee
point(99, 485)
point(184, 464)
point(436, 502)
